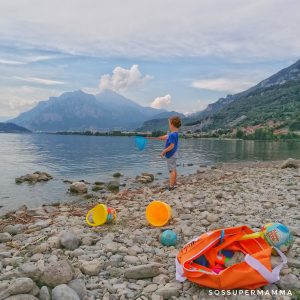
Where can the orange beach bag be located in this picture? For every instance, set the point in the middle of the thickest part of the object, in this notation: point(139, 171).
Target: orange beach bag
point(254, 272)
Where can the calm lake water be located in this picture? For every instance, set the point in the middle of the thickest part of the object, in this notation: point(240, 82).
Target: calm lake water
point(97, 158)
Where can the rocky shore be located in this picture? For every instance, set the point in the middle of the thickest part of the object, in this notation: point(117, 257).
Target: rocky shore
point(51, 253)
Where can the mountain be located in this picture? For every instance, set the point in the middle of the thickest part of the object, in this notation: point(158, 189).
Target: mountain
point(12, 128)
point(77, 111)
point(276, 98)
point(159, 123)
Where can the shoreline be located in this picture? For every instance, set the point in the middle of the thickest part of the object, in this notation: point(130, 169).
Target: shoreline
point(145, 134)
point(125, 182)
point(228, 194)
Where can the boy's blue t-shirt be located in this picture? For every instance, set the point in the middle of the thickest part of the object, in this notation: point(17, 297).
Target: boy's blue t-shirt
point(172, 139)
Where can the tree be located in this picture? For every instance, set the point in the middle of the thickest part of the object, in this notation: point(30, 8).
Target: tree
point(239, 134)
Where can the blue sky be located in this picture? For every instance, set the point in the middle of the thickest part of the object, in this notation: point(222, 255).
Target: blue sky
point(178, 55)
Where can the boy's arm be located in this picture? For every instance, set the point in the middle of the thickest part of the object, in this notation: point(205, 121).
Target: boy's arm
point(163, 137)
point(160, 138)
point(167, 150)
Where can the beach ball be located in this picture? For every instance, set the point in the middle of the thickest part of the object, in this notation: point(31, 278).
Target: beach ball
point(278, 235)
point(111, 215)
point(168, 238)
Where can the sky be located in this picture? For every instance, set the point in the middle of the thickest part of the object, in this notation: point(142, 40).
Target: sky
point(174, 54)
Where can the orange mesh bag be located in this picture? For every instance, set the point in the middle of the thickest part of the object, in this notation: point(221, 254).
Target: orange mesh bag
point(254, 272)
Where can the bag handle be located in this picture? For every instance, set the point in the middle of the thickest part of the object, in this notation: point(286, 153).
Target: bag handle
point(229, 241)
point(179, 271)
point(212, 254)
point(270, 276)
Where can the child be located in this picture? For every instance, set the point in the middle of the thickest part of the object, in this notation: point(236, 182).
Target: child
point(170, 151)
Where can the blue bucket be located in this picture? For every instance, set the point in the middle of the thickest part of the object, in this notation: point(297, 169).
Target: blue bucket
point(140, 142)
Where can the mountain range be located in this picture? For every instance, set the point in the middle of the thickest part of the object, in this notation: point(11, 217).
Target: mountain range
point(273, 100)
point(12, 128)
point(78, 111)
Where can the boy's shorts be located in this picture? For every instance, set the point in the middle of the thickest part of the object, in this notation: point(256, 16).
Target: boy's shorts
point(171, 162)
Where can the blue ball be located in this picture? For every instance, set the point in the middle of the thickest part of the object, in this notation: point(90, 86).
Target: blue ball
point(168, 238)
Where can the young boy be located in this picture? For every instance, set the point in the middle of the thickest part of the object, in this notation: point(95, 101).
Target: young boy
point(170, 151)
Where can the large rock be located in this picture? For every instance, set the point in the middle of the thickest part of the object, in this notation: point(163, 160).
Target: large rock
point(145, 178)
point(5, 237)
point(35, 177)
point(117, 175)
point(91, 268)
point(131, 260)
point(21, 285)
point(30, 270)
point(57, 273)
point(54, 242)
point(289, 163)
point(149, 175)
point(44, 293)
point(69, 240)
point(150, 288)
point(63, 292)
point(211, 218)
point(14, 229)
point(78, 188)
point(113, 186)
point(79, 287)
point(168, 292)
point(97, 188)
point(143, 271)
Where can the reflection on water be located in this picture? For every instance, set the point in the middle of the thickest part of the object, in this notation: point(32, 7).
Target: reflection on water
point(97, 158)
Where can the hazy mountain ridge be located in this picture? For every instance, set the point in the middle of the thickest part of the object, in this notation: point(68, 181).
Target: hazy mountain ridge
point(77, 111)
point(291, 73)
point(160, 123)
point(275, 98)
point(12, 128)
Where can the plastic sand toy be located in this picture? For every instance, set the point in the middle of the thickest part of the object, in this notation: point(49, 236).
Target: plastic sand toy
point(276, 235)
point(158, 213)
point(100, 215)
point(168, 238)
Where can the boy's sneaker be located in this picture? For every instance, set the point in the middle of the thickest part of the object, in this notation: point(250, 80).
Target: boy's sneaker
point(171, 188)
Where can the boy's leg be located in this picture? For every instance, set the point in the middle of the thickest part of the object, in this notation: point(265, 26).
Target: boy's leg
point(171, 162)
point(173, 177)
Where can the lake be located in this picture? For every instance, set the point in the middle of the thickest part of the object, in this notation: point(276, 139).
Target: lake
point(97, 158)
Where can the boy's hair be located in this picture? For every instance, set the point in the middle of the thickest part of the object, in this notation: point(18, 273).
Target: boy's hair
point(175, 121)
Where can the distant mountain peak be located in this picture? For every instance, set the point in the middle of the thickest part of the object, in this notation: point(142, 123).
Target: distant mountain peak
point(291, 73)
point(78, 110)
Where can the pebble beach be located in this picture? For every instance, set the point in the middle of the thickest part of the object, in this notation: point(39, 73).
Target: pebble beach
point(50, 252)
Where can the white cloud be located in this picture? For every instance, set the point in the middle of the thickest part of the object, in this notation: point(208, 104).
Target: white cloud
point(199, 105)
point(11, 62)
point(161, 102)
point(122, 79)
point(26, 60)
point(14, 100)
point(39, 80)
point(217, 28)
point(202, 104)
point(231, 85)
point(90, 90)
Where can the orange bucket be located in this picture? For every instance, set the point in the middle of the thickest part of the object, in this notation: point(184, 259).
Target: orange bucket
point(158, 213)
